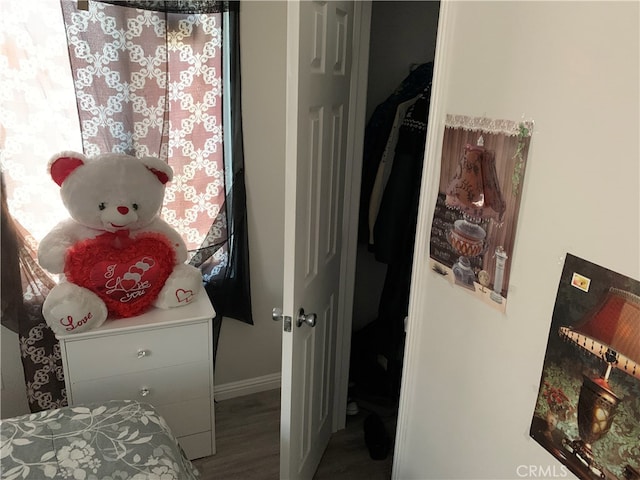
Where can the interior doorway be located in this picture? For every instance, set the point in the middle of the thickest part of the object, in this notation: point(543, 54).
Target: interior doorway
point(401, 53)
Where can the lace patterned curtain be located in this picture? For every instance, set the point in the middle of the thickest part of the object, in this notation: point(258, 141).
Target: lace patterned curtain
point(24, 287)
point(150, 82)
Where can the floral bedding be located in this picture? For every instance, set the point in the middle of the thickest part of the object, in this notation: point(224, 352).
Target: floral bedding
point(116, 440)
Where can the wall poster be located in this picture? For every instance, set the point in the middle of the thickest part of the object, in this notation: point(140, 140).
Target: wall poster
point(474, 223)
point(587, 413)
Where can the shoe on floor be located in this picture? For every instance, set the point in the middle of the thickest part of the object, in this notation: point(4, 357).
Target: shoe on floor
point(352, 408)
point(376, 437)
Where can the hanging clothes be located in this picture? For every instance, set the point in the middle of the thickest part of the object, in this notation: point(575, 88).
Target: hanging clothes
point(386, 163)
point(394, 228)
point(394, 234)
point(392, 169)
point(377, 133)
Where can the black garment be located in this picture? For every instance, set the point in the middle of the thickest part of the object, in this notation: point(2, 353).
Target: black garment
point(394, 230)
point(376, 135)
point(394, 235)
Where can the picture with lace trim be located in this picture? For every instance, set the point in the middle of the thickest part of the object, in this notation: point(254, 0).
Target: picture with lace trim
point(478, 201)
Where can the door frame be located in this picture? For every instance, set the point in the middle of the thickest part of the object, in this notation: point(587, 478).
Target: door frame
point(420, 272)
point(351, 207)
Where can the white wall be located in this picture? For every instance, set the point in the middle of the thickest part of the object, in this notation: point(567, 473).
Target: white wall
point(244, 351)
point(402, 33)
point(472, 374)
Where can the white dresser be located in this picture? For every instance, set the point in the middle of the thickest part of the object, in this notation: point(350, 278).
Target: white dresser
point(162, 357)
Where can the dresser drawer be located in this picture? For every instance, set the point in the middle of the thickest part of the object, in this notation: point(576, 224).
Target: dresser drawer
point(122, 353)
point(158, 387)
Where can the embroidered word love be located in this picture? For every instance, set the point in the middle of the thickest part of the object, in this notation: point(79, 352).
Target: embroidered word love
point(70, 326)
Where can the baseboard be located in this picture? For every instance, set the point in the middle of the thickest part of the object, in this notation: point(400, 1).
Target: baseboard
point(247, 387)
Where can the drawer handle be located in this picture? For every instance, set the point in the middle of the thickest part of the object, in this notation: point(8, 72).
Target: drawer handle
point(142, 353)
point(144, 391)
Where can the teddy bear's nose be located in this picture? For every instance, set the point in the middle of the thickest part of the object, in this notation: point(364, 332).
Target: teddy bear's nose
point(123, 210)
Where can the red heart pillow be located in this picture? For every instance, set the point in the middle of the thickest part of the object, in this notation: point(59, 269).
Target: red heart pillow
point(126, 273)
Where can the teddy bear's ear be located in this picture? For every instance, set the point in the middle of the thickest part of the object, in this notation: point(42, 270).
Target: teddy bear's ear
point(62, 164)
point(159, 168)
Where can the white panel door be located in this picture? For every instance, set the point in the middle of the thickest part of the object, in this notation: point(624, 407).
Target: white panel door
point(319, 39)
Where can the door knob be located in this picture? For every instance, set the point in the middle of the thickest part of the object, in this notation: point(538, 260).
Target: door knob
point(308, 318)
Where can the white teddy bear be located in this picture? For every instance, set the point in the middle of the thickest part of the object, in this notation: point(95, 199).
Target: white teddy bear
point(117, 256)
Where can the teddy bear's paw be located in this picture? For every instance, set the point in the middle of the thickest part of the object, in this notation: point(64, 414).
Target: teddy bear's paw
point(181, 287)
point(51, 256)
point(72, 309)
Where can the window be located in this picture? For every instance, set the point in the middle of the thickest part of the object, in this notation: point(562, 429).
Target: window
point(146, 83)
point(139, 81)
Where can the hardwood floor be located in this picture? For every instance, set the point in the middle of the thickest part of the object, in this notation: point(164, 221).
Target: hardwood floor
point(248, 443)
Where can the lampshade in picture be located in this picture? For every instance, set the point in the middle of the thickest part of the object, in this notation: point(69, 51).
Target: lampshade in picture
point(611, 331)
point(474, 189)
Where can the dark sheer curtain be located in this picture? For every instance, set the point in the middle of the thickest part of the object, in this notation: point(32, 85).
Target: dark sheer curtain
point(24, 287)
point(229, 290)
point(231, 293)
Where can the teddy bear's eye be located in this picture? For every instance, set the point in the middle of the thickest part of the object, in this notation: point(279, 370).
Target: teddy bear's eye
point(135, 206)
point(102, 206)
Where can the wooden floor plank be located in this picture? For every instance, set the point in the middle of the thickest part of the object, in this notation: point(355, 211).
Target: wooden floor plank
point(248, 443)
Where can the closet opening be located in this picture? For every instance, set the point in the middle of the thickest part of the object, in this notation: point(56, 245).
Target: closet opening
point(401, 55)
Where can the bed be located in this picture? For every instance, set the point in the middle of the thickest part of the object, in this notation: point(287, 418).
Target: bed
point(115, 440)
